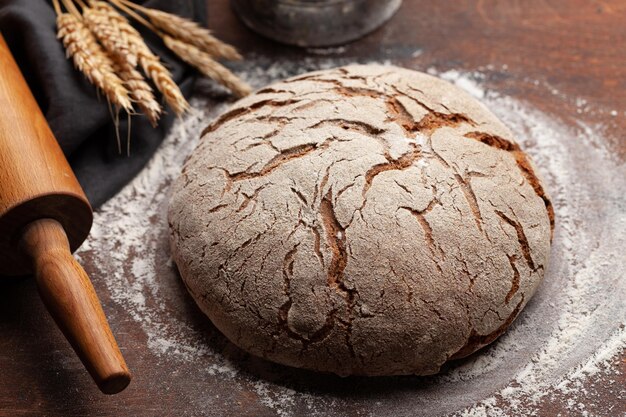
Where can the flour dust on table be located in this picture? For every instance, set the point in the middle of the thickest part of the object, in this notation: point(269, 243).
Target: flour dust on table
point(569, 331)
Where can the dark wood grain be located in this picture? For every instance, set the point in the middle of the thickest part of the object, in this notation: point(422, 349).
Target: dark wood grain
point(546, 52)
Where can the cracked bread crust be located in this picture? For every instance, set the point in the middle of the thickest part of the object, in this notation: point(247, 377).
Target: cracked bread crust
point(365, 220)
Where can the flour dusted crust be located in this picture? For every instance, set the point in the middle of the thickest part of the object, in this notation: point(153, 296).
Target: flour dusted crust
point(365, 220)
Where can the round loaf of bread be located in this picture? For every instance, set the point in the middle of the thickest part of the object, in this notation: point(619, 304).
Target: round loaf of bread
point(364, 220)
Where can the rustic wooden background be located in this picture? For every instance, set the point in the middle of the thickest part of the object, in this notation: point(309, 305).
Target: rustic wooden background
point(576, 47)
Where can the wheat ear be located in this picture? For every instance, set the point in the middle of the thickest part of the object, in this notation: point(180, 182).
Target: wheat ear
point(162, 79)
point(88, 57)
point(207, 65)
point(190, 32)
point(147, 60)
point(108, 33)
point(122, 25)
point(140, 91)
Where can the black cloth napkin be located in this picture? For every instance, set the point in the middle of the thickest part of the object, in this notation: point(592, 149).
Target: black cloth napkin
point(79, 118)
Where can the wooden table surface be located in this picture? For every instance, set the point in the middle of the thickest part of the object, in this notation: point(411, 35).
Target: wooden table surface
point(573, 46)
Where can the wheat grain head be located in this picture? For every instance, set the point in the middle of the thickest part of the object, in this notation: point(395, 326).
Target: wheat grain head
point(148, 61)
point(162, 78)
point(207, 65)
point(109, 34)
point(91, 60)
point(192, 33)
point(140, 91)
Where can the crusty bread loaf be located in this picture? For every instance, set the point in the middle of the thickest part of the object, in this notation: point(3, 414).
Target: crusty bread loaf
point(366, 220)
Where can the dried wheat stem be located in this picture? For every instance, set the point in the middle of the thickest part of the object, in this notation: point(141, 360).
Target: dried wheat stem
point(109, 34)
point(124, 6)
point(149, 62)
point(57, 7)
point(71, 8)
point(91, 60)
point(188, 31)
point(121, 22)
point(207, 65)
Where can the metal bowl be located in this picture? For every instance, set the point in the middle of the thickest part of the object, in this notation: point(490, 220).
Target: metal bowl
point(314, 23)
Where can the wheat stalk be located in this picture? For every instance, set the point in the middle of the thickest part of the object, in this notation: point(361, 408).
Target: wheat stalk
point(163, 81)
point(126, 31)
point(107, 49)
point(91, 60)
point(207, 65)
point(188, 31)
point(110, 11)
point(185, 29)
point(140, 91)
point(156, 71)
point(108, 33)
point(149, 62)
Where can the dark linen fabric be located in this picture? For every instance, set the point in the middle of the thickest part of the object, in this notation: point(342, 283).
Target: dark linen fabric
point(77, 114)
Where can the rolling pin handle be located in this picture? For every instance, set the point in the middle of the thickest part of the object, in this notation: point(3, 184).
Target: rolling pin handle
point(71, 300)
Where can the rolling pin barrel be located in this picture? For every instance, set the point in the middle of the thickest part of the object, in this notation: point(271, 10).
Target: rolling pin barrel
point(44, 217)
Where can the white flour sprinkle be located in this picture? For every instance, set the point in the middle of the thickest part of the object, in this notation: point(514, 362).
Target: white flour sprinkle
point(571, 330)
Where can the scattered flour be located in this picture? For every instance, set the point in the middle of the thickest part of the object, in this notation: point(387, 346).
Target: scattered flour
point(571, 329)
point(333, 50)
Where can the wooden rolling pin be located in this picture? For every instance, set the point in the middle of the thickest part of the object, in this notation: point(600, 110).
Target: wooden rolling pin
point(44, 217)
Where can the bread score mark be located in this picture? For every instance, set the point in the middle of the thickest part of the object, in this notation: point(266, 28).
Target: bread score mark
point(522, 162)
point(336, 240)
